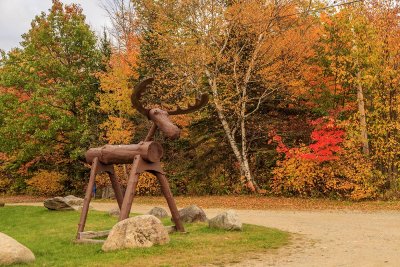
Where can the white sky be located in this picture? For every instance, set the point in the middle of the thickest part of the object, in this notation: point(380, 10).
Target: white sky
point(16, 17)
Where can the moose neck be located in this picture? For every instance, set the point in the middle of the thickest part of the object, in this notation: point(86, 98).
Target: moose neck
point(150, 134)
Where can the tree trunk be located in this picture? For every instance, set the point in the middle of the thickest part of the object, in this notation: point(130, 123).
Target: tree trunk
point(361, 110)
point(251, 184)
point(243, 162)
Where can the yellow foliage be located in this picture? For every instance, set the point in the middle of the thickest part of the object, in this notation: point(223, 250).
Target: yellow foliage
point(46, 182)
point(116, 90)
point(102, 180)
point(118, 130)
point(148, 185)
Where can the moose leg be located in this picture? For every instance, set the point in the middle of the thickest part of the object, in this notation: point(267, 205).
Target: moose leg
point(88, 197)
point(130, 190)
point(117, 188)
point(170, 200)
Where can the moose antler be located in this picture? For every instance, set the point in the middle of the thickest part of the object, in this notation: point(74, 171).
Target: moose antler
point(139, 89)
point(142, 87)
point(200, 102)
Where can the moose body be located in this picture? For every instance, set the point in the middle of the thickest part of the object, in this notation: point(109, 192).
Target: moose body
point(125, 154)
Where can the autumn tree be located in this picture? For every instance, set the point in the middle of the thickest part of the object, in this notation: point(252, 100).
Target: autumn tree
point(48, 115)
point(117, 79)
point(357, 49)
point(349, 41)
point(242, 52)
point(383, 103)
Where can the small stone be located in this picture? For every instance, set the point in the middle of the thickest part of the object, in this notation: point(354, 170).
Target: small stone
point(11, 251)
point(228, 220)
point(114, 212)
point(191, 214)
point(158, 212)
point(140, 231)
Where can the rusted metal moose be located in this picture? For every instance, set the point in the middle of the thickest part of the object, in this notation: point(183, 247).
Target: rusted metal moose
point(144, 156)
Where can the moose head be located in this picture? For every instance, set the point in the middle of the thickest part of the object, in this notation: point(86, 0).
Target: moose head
point(161, 117)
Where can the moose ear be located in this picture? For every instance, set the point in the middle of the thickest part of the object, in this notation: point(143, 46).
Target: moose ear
point(138, 91)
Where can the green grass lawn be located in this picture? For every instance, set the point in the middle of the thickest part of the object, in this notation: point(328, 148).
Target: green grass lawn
point(50, 235)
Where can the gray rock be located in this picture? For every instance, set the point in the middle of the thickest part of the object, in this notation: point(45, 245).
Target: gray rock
point(140, 231)
point(11, 251)
point(158, 212)
point(57, 203)
point(64, 203)
point(192, 214)
point(114, 212)
point(228, 220)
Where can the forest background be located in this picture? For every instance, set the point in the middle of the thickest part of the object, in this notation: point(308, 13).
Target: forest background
point(304, 97)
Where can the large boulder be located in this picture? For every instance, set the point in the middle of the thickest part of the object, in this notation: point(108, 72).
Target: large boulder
point(140, 231)
point(11, 251)
point(158, 212)
point(228, 220)
point(191, 214)
point(64, 203)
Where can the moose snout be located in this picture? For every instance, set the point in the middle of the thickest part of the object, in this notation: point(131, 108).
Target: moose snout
point(161, 119)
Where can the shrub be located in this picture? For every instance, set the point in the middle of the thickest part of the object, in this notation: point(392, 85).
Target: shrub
point(18, 186)
point(46, 182)
point(5, 184)
point(330, 166)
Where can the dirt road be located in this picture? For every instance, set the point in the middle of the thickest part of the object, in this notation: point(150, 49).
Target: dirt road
point(321, 238)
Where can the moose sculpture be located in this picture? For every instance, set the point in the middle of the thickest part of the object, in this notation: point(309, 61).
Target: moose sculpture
point(144, 156)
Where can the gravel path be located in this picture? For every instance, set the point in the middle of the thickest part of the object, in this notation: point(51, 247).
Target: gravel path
point(321, 238)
